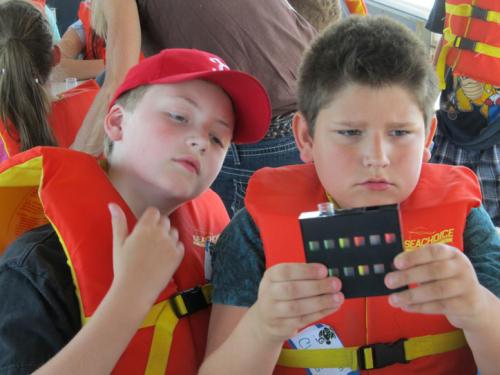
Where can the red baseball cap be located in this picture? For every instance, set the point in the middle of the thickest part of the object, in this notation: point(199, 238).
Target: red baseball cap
point(250, 101)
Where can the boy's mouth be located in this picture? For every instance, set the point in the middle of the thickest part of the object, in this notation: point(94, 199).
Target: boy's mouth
point(189, 163)
point(376, 184)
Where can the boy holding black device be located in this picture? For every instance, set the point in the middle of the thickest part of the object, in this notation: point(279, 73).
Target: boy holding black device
point(366, 95)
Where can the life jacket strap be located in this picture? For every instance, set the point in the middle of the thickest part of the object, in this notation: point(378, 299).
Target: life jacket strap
point(374, 356)
point(192, 300)
point(468, 10)
point(164, 316)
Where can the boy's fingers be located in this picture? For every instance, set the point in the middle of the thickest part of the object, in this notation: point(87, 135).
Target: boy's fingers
point(151, 215)
point(291, 290)
point(441, 307)
point(118, 224)
point(422, 274)
point(430, 292)
point(165, 223)
point(307, 319)
point(306, 306)
point(174, 233)
point(424, 255)
point(296, 271)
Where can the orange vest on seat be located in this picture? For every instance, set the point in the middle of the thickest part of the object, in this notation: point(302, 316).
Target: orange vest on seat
point(472, 40)
point(66, 117)
point(356, 7)
point(74, 193)
point(361, 321)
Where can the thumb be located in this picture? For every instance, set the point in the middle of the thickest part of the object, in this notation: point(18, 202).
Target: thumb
point(118, 225)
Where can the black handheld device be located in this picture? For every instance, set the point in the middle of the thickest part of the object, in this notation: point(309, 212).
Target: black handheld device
point(357, 245)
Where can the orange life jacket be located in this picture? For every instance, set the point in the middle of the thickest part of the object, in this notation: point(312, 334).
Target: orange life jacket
point(95, 46)
point(429, 215)
point(66, 117)
point(356, 7)
point(73, 193)
point(471, 41)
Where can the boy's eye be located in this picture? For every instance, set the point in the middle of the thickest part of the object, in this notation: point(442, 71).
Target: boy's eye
point(177, 118)
point(216, 140)
point(349, 132)
point(399, 132)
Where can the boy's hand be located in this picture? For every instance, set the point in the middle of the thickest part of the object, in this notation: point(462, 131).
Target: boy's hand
point(293, 295)
point(446, 284)
point(145, 260)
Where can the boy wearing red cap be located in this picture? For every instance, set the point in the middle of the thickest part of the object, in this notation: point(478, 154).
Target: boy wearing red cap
point(81, 295)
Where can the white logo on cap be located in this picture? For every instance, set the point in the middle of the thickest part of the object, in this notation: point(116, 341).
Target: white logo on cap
point(220, 64)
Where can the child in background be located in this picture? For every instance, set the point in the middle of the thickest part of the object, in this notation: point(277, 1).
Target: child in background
point(81, 296)
point(29, 115)
point(468, 128)
point(366, 96)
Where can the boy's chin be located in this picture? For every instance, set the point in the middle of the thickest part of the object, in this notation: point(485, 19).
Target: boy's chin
point(376, 201)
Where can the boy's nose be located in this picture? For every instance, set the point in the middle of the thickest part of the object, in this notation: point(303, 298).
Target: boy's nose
point(376, 154)
point(197, 143)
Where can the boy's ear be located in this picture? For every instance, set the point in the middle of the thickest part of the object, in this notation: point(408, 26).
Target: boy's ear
point(302, 136)
point(430, 137)
point(113, 122)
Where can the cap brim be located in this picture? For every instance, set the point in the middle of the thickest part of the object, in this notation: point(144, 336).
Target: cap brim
point(251, 103)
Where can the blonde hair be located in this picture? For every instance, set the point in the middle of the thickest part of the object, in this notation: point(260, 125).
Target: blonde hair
point(97, 18)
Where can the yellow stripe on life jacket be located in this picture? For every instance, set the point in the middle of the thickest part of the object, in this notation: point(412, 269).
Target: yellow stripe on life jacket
point(468, 10)
point(21, 207)
point(415, 347)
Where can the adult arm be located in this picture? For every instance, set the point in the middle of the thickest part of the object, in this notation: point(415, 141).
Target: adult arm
point(70, 66)
point(123, 43)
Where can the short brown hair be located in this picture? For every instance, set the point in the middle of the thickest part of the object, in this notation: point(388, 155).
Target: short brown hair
point(372, 51)
point(128, 101)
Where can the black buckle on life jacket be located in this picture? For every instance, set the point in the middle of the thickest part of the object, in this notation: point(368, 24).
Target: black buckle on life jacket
point(193, 300)
point(479, 13)
point(382, 355)
point(465, 44)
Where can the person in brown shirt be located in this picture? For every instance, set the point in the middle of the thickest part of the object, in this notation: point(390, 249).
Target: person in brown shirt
point(264, 38)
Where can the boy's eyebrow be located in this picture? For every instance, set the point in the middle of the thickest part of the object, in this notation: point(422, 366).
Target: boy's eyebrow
point(352, 124)
point(193, 103)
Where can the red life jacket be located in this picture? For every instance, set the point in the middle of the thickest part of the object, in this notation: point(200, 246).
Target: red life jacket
point(74, 192)
point(472, 40)
point(428, 215)
point(66, 117)
point(95, 46)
